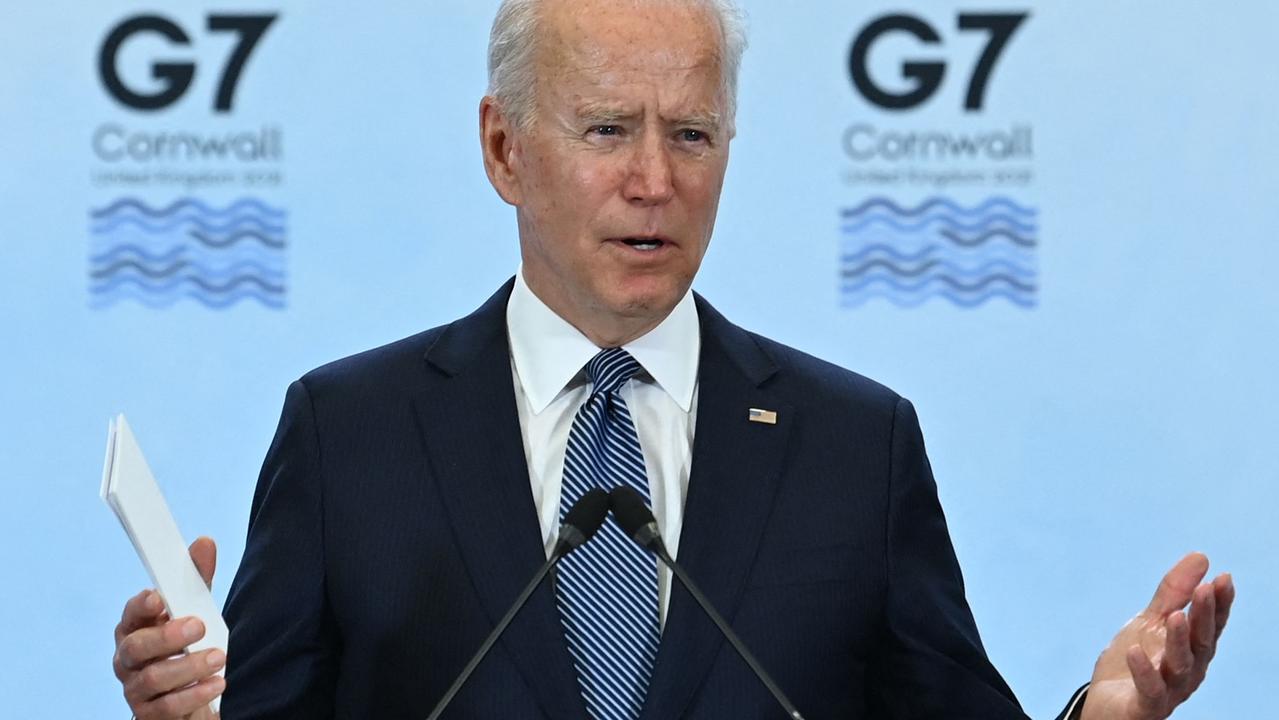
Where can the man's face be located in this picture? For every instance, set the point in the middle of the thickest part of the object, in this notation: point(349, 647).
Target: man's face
point(619, 176)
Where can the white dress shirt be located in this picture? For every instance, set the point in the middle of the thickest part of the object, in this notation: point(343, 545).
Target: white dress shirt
point(548, 359)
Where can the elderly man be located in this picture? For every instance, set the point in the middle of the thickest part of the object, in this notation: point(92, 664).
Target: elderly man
point(393, 521)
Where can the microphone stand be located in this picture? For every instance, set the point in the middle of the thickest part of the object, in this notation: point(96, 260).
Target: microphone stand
point(493, 636)
point(636, 519)
point(579, 525)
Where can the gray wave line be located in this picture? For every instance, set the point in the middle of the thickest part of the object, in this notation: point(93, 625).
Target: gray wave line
point(997, 232)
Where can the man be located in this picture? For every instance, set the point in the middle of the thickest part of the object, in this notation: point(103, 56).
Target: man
point(393, 521)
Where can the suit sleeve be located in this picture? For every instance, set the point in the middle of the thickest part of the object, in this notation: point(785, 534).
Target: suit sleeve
point(933, 665)
point(283, 650)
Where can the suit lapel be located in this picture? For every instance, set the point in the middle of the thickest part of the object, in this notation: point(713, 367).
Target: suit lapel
point(736, 468)
point(471, 430)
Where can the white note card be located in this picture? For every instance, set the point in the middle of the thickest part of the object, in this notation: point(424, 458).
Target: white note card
point(129, 488)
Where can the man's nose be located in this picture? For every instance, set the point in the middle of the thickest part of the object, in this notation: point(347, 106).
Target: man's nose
point(650, 180)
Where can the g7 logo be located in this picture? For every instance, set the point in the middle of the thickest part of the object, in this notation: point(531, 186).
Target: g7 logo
point(177, 76)
point(928, 75)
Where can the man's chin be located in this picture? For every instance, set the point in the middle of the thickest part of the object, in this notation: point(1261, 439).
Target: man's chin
point(650, 304)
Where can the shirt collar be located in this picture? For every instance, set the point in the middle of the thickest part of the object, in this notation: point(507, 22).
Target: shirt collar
point(548, 352)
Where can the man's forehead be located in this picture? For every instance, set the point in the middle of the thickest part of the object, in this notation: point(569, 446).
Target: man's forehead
point(605, 109)
point(692, 94)
point(598, 61)
point(622, 36)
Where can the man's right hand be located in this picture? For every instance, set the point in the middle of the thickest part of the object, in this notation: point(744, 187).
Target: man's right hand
point(160, 682)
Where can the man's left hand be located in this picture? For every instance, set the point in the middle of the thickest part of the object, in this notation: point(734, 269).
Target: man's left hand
point(1161, 656)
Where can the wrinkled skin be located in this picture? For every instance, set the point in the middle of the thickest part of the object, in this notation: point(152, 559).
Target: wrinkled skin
point(628, 139)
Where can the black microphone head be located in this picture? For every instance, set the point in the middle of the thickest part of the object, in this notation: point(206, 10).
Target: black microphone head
point(629, 509)
point(587, 514)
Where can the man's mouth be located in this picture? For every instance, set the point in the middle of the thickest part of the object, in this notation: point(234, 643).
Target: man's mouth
point(647, 244)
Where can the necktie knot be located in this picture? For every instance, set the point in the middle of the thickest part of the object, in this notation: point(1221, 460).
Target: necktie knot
point(610, 369)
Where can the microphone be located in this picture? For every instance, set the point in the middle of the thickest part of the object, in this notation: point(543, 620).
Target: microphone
point(638, 522)
point(579, 525)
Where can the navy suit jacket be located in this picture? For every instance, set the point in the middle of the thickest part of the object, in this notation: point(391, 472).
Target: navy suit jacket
point(393, 524)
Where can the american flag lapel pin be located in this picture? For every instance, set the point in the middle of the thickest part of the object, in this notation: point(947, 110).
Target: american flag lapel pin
point(768, 417)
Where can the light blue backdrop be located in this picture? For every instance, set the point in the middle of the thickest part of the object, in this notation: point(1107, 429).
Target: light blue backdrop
point(1080, 446)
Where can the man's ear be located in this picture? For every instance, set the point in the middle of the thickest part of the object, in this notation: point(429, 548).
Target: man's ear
point(497, 142)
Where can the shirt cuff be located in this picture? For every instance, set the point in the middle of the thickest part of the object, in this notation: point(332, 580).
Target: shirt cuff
point(1075, 708)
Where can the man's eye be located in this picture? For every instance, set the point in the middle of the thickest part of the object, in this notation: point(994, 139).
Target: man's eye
point(693, 136)
point(606, 130)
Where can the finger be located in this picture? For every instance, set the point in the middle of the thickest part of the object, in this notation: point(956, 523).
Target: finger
point(204, 553)
point(183, 702)
point(164, 676)
point(142, 610)
point(1177, 586)
point(1150, 685)
point(1203, 624)
point(1178, 658)
point(1224, 588)
point(142, 647)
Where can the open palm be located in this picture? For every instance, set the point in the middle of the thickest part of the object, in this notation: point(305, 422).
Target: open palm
point(1161, 656)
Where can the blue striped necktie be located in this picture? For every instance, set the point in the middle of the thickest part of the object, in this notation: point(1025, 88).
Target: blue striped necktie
point(607, 589)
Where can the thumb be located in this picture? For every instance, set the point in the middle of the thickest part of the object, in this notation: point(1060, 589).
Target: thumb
point(1178, 586)
point(204, 553)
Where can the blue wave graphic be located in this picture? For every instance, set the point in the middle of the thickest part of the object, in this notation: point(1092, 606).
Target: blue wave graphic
point(998, 201)
point(144, 254)
point(164, 300)
point(233, 238)
point(938, 268)
point(205, 284)
point(854, 252)
point(983, 237)
point(238, 222)
point(158, 255)
point(915, 299)
point(913, 250)
point(965, 254)
point(140, 254)
point(156, 270)
point(937, 234)
point(106, 252)
point(125, 204)
point(955, 284)
point(981, 225)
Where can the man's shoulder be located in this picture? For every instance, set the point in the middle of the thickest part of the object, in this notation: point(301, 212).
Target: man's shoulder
point(797, 374)
point(391, 364)
point(405, 364)
point(816, 378)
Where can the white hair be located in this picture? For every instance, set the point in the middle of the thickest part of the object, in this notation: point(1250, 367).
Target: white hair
point(514, 35)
